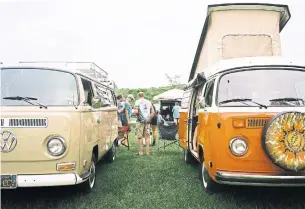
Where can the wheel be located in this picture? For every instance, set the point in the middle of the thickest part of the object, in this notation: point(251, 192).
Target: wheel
point(209, 185)
point(111, 154)
point(88, 185)
point(177, 136)
point(188, 157)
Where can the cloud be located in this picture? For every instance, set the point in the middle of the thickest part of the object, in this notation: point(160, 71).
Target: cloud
point(137, 42)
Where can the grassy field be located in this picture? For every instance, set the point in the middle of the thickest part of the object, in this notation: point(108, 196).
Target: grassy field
point(161, 180)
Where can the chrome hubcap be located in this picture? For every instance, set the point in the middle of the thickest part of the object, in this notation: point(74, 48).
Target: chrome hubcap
point(113, 152)
point(92, 175)
point(203, 173)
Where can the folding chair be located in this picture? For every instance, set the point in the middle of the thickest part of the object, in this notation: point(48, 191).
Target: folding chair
point(168, 132)
point(123, 133)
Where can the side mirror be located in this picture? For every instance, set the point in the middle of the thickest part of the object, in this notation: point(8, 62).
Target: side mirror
point(96, 102)
point(202, 102)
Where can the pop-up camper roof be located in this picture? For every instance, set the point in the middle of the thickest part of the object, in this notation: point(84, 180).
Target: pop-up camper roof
point(239, 30)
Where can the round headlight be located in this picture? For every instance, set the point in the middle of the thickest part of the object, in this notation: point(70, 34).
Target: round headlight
point(56, 146)
point(238, 146)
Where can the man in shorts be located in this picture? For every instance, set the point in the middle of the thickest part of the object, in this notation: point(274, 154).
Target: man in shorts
point(144, 112)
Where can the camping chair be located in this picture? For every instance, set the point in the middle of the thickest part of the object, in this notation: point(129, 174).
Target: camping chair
point(168, 134)
point(123, 133)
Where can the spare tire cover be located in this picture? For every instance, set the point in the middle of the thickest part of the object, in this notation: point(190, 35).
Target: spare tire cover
point(283, 140)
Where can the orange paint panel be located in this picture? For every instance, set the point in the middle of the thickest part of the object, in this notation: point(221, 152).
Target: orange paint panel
point(182, 129)
point(216, 143)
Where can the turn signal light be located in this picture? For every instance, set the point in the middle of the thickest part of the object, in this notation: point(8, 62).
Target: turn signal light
point(239, 123)
point(65, 166)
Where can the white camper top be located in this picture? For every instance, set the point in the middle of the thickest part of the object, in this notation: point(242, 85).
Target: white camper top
point(231, 64)
point(239, 30)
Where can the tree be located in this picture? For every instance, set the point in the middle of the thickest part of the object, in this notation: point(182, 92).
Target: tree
point(149, 92)
point(173, 80)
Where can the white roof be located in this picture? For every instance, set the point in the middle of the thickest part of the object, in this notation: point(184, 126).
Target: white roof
point(89, 69)
point(173, 94)
point(252, 61)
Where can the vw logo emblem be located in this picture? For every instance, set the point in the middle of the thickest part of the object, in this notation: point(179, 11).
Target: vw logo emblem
point(8, 141)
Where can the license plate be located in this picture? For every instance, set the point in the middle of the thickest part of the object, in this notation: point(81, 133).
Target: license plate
point(8, 181)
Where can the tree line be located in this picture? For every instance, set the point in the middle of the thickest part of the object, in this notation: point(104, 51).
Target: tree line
point(173, 81)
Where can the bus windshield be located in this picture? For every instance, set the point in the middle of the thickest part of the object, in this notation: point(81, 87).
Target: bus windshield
point(273, 87)
point(48, 87)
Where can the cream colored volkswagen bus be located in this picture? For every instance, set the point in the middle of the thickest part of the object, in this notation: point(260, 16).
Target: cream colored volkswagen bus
point(56, 124)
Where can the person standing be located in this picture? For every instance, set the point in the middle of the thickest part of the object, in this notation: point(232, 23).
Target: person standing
point(154, 123)
point(144, 112)
point(121, 113)
point(176, 114)
point(128, 108)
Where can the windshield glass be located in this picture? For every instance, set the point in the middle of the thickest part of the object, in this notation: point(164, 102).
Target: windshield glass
point(262, 86)
point(50, 87)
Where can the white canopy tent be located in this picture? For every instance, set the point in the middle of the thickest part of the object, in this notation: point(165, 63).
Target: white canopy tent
point(173, 94)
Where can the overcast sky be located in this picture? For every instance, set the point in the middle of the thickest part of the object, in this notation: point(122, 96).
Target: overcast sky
point(137, 42)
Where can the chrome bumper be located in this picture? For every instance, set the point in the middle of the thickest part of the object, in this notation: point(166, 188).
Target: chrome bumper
point(46, 180)
point(259, 180)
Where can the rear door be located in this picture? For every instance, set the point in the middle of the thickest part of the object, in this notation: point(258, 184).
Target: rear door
point(108, 114)
point(104, 122)
point(183, 121)
point(113, 115)
point(205, 112)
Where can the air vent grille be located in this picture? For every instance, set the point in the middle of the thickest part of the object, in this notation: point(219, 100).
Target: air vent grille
point(256, 122)
point(24, 122)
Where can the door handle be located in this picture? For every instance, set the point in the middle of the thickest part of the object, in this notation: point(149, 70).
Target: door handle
point(98, 121)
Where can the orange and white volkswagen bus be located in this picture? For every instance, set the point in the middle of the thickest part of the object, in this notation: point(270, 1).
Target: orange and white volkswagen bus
point(243, 120)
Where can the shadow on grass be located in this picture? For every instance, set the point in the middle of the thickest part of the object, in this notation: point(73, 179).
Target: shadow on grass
point(121, 185)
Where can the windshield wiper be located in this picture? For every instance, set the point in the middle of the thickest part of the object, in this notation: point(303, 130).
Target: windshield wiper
point(242, 101)
point(26, 99)
point(288, 99)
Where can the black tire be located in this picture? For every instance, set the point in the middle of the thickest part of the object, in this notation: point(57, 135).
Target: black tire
point(188, 157)
point(111, 154)
point(116, 142)
point(89, 184)
point(208, 184)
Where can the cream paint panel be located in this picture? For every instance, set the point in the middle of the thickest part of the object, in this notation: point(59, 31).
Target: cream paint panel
point(104, 130)
point(89, 130)
point(109, 128)
point(234, 22)
point(248, 45)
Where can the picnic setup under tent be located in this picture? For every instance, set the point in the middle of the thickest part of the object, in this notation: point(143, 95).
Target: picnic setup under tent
point(168, 129)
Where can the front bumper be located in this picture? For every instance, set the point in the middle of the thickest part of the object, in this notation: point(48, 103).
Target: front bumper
point(46, 180)
point(258, 180)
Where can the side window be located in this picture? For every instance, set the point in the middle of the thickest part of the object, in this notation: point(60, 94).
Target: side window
point(199, 92)
point(208, 94)
point(102, 93)
point(88, 91)
point(111, 97)
point(185, 100)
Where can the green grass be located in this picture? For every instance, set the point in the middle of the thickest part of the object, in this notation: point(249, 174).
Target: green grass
point(161, 180)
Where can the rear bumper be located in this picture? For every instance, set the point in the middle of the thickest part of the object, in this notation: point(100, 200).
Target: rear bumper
point(259, 180)
point(49, 180)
